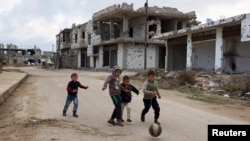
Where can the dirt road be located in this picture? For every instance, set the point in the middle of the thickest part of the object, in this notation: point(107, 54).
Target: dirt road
point(34, 113)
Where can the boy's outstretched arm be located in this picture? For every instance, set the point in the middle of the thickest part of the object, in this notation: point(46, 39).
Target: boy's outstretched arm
point(109, 78)
point(82, 86)
point(158, 94)
point(133, 88)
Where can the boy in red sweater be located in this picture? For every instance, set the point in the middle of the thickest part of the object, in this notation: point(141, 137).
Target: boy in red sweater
point(72, 90)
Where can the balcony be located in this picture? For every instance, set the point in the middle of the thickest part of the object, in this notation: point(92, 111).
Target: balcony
point(65, 45)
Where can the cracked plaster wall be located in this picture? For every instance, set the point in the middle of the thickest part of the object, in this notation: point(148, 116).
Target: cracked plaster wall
point(152, 56)
point(236, 55)
point(204, 55)
point(135, 56)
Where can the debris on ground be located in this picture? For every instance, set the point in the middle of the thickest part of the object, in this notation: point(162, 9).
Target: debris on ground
point(231, 86)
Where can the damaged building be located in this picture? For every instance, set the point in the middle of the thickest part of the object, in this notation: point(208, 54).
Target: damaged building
point(168, 39)
point(221, 46)
point(116, 36)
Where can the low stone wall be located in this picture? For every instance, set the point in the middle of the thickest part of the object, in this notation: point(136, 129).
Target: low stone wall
point(4, 95)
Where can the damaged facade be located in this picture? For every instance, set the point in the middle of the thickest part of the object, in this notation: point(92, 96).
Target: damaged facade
point(12, 55)
point(221, 46)
point(116, 36)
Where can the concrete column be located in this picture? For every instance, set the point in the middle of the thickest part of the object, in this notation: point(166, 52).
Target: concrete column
point(79, 58)
point(219, 50)
point(100, 64)
point(120, 55)
point(158, 31)
point(111, 30)
point(91, 60)
point(125, 26)
point(189, 52)
point(166, 57)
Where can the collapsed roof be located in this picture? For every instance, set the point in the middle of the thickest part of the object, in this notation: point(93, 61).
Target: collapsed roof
point(117, 11)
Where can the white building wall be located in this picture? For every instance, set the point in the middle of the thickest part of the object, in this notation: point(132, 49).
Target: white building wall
point(166, 57)
point(135, 56)
point(89, 30)
point(243, 60)
point(189, 62)
point(99, 60)
point(204, 55)
point(138, 28)
point(91, 61)
point(218, 50)
point(245, 28)
point(79, 58)
point(237, 54)
point(120, 55)
point(151, 56)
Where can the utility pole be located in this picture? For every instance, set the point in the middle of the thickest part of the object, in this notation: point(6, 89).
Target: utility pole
point(146, 34)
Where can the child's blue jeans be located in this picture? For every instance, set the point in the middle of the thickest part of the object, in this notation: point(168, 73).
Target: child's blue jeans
point(69, 99)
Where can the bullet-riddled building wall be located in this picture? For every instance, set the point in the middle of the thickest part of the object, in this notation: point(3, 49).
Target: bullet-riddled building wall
point(116, 35)
point(221, 46)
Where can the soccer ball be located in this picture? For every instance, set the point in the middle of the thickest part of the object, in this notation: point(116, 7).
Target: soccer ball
point(155, 130)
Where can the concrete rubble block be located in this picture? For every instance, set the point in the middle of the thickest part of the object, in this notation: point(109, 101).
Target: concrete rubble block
point(212, 84)
point(238, 93)
point(219, 92)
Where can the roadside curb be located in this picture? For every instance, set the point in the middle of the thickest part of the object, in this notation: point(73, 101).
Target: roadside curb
point(11, 89)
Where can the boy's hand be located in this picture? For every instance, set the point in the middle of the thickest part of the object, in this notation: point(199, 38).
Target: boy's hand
point(155, 93)
point(104, 88)
point(87, 87)
point(74, 91)
point(159, 96)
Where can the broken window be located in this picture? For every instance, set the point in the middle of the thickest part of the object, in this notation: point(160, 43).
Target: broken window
point(64, 38)
point(131, 32)
point(232, 31)
point(106, 57)
point(116, 30)
point(152, 30)
point(83, 34)
point(75, 38)
point(207, 35)
point(179, 25)
point(89, 39)
point(168, 25)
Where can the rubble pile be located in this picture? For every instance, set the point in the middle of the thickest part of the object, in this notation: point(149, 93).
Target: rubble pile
point(233, 86)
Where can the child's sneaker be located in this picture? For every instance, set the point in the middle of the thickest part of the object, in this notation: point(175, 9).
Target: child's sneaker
point(122, 120)
point(64, 114)
point(142, 117)
point(119, 122)
point(157, 122)
point(111, 121)
point(75, 115)
point(129, 120)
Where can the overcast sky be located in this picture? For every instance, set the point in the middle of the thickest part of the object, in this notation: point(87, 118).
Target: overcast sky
point(36, 22)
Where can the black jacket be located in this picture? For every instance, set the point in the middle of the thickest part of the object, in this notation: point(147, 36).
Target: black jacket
point(126, 93)
point(74, 86)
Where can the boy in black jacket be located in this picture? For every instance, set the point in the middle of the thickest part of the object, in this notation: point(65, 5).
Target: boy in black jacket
point(126, 96)
point(72, 89)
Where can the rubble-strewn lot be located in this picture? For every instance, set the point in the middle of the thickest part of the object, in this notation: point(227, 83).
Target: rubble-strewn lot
point(228, 86)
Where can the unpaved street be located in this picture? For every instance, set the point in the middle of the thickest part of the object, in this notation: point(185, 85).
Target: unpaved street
point(34, 112)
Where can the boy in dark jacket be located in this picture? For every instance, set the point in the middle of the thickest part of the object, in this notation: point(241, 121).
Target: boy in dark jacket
point(115, 91)
point(72, 90)
point(126, 96)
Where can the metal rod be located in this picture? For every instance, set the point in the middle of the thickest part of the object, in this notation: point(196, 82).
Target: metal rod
point(146, 35)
